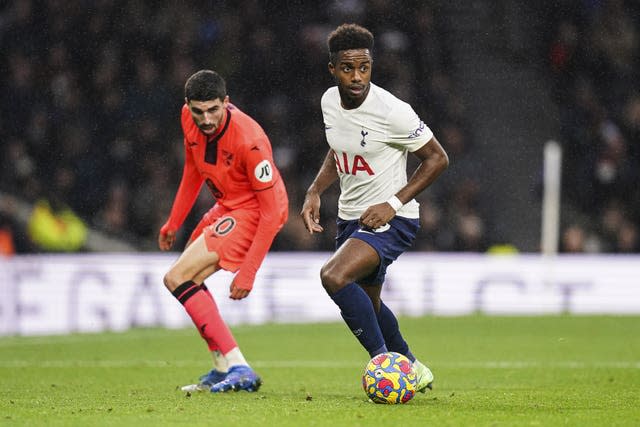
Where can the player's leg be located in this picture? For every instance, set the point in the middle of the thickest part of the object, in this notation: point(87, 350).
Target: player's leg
point(194, 265)
point(185, 280)
point(393, 337)
point(388, 323)
point(352, 261)
point(220, 365)
point(230, 236)
point(390, 244)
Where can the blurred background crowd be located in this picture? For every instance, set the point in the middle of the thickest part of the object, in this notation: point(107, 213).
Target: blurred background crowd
point(594, 67)
point(91, 92)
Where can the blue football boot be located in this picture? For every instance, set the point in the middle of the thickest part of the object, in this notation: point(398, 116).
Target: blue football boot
point(206, 381)
point(239, 377)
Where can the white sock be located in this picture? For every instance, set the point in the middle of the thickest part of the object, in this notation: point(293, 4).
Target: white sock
point(219, 361)
point(235, 357)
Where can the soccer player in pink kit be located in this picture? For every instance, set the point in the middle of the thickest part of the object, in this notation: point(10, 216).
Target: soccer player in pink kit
point(229, 151)
point(369, 132)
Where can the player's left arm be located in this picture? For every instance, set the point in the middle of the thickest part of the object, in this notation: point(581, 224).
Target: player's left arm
point(433, 161)
point(273, 202)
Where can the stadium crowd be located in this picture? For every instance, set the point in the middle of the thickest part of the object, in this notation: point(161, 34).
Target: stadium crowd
point(594, 66)
point(92, 91)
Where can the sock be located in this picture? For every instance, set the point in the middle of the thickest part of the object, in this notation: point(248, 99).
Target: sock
point(219, 361)
point(358, 313)
point(235, 357)
point(206, 291)
point(202, 309)
point(213, 347)
point(391, 332)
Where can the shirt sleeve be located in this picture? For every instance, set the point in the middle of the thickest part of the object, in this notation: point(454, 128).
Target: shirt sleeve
point(188, 191)
point(406, 129)
point(272, 217)
point(274, 205)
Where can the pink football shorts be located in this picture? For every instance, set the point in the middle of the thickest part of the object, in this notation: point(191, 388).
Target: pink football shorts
point(229, 233)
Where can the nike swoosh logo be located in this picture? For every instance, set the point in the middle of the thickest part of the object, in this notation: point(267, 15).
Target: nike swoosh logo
point(380, 229)
point(365, 231)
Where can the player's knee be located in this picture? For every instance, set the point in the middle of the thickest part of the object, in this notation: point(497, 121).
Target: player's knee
point(172, 281)
point(332, 281)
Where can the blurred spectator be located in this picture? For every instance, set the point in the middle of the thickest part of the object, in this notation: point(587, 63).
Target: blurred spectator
point(113, 217)
point(7, 240)
point(53, 226)
point(628, 238)
point(56, 228)
point(573, 239)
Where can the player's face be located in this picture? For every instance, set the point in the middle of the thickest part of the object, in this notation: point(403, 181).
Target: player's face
point(352, 72)
point(208, 115)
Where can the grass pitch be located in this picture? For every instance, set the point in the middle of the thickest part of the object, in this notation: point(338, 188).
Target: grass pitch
point(490, 371)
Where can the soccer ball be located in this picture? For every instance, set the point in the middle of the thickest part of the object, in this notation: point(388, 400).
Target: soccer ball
point(389, 378)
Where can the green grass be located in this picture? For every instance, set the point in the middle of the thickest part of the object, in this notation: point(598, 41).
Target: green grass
point(490, 371)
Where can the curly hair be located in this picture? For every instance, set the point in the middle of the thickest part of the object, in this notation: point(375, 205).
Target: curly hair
point(205, 85)
point(349, 36)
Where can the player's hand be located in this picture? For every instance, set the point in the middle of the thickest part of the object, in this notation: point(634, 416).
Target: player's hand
point(311, 213)
point(377, 215)
point(241, 285)
point(166, 238)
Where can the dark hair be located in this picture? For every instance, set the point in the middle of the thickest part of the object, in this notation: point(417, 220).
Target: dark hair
point(349, 36)
point(205, 85)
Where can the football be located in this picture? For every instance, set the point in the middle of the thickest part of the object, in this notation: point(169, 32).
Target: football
point(389, 378)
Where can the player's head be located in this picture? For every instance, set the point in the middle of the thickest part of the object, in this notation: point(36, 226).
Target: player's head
point(350, 61)
point(205, 93)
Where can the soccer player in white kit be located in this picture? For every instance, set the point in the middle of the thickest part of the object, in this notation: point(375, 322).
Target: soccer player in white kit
point(369, 132)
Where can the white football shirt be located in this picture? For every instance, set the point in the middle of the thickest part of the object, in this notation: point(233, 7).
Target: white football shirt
point(371, 143)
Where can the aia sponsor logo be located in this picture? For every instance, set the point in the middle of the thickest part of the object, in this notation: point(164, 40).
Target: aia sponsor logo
point(352, 166)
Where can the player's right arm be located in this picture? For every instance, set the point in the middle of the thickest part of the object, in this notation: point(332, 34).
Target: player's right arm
point(326, 176)
point(188, 191)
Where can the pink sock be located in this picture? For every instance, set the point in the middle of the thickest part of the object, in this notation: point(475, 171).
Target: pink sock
point(202, 309)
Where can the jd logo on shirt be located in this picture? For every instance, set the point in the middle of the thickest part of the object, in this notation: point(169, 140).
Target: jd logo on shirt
point(263, 171)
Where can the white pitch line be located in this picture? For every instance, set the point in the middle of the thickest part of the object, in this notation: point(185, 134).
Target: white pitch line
point(319, 364)
point(27, 341)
